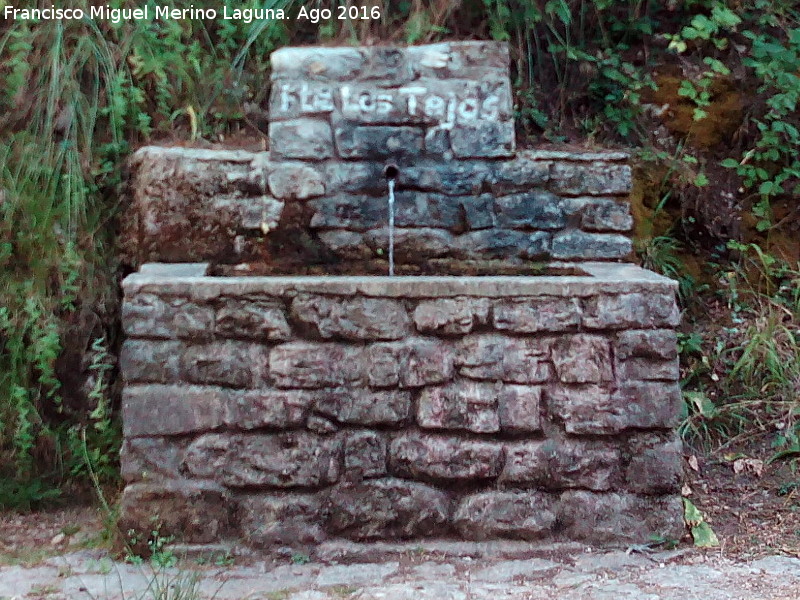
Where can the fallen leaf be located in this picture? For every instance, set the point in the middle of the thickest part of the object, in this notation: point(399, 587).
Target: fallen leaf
point(704, 536)
point(686, 490)
point(757, 466)
point(693, 463)
point(691, 515)
point(753, 465)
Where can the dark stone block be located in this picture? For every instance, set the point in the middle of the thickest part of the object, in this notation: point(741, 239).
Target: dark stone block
point(378, 142)
point(501, 243)
point(630, 311)
point(413, 362)
point(281, 460)
point(454, 177)
point(364, 407)
point(487, 139)
point(364, 455)
point(518, 515)
point(540, 313)
point(447, 458)
point(173, 409)
point(234, 364)
point(582, 245)
point(533, 210)
point(150, 316)
point(594, 179)
point(656, 465)
point(195, 512)
point(559, 464)
point(606, 215)
point(594, 410)
point(145, 361)
point(620, 518)
point(309, 365)
point(387, 509)
point(656, 344)
point(270, 520)
point(252, 320)
point(151, 458)
point(495, 357)
point(520, 173)
point(309, 139)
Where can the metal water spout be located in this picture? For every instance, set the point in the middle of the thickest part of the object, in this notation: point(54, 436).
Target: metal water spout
point(391, 172)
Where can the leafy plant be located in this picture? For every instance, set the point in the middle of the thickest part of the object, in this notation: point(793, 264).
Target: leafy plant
point(772, 165)
point(76, 95)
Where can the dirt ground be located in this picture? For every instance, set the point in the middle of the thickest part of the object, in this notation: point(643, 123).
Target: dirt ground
point(752, 505)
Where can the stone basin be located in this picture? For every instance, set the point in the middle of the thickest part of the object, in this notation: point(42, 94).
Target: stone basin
point(291, 410)
point(294, 408)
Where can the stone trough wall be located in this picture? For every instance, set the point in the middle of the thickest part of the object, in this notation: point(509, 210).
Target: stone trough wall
point(442, 114)
point(286, 411)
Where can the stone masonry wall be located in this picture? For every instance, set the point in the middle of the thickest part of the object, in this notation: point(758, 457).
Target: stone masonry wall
point(442, 114)
point(236, 206)
point(285, 411)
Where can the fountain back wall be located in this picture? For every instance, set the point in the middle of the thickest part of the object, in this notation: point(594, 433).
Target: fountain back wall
point(441, 114)
point(291, 410)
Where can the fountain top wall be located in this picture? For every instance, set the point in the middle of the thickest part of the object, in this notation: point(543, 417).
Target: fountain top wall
point(447, 101)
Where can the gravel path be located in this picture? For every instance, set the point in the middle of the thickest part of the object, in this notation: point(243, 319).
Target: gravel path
point(420, 574)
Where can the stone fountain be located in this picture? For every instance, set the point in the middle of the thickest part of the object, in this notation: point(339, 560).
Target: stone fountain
point(272, 403)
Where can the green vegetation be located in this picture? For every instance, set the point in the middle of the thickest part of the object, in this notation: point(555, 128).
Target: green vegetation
point(75, 97)
point(744, 380)
point(705, 90)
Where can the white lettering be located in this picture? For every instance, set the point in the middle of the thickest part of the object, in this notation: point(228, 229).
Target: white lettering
point(165, 13)
point(325, 100)
point(451, 111)
point(434, 107)
point(345, 93)
point(43, 14)
point(490, 109)
point(287, 94)
point(311, 98)
point(307, 99)
point(412, 105)
point(468, 109)
point(412, 92)
point(385, 104)
point(248, 15)
point(117, 15)
point(366, 102)
point(315, 15)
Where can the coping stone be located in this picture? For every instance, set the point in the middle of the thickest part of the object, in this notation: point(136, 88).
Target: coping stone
point(601, 278)
point(175, 269)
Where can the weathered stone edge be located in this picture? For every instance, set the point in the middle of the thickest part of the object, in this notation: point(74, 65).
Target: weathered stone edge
point(202, 154)
point(246, 156)
point(608, 278)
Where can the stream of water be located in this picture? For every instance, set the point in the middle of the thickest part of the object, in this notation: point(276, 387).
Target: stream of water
point(391, 227)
